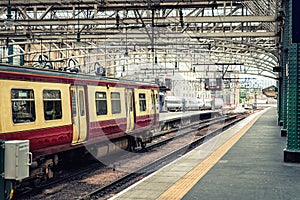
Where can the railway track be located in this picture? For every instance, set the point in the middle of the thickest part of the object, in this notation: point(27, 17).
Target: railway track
point(80, 170)
point(126, 178)
point(189, 129)
point(129, 179)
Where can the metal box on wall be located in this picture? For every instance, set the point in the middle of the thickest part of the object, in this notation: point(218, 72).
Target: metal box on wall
point(17, 159)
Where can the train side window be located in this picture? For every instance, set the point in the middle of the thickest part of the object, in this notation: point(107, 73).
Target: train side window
point(131, 104)
point(52, 104)
point(74, 113)
point(142, 100)
point(23, 106)
point(115, 102)
point(101, 103)
point(81, 103)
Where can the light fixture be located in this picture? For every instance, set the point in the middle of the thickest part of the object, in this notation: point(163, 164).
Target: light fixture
point(117, 19)
point(8, 23)
point(78, 37)
point(181, 18)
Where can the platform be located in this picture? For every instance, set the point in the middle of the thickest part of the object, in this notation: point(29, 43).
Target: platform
point(167, 116)
point(244, 162)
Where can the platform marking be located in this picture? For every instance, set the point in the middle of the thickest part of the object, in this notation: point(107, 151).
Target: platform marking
point(183, 185)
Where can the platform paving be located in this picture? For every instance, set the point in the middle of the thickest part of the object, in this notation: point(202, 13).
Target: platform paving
point(253, 168)
point(250, 167)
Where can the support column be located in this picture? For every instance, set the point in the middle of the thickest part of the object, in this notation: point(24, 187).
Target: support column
point(279, 101)
point(292, 151)
point(284, 78)
point(2, 180)
point(10, 53)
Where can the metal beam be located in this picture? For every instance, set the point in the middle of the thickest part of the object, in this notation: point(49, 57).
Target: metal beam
point(145, 20)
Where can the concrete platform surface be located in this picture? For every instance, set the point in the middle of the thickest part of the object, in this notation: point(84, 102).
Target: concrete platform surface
point(253, 168)
point(244, 162)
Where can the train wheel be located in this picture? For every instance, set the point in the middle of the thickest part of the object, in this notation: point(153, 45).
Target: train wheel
point(130, 146)
point(143, 145)
point(38, 181)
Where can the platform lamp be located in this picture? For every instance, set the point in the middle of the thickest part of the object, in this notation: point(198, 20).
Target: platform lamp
point(8, 23)
point(181, 18)
point(117, 19)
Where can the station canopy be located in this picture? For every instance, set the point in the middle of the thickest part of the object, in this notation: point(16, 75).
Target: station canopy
point(240, 37)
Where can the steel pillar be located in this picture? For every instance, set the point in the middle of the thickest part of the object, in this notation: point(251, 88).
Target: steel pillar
point(283, 75)
point(10, 53)
point(2, 180)
point(279, 101)
point(292, 151)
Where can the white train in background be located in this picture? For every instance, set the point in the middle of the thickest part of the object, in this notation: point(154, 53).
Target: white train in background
point(217, 102)
point(174, 104)
point(194, 104)
point(207, 104)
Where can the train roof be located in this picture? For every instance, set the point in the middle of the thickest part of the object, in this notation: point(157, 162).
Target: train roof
point(271, 91)
point(46, 75)
point(173, 97)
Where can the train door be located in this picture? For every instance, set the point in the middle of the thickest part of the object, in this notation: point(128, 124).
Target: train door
point(79, 114)
point(155, 104)
point(129, 109)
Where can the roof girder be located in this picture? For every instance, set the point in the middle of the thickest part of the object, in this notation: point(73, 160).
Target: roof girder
point(53, 22)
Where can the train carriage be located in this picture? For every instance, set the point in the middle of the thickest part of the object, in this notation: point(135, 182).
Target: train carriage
point(34, 111)
point(174, 103)
point(59, 112)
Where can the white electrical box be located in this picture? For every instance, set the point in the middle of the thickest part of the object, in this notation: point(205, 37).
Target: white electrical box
point(17, 159)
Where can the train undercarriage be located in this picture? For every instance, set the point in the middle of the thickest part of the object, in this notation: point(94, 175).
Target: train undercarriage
point(49, 167)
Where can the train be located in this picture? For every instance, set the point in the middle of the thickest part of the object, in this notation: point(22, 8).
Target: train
point(175, 103)
point(63, 114)
point(271, 91)
point(194, 104)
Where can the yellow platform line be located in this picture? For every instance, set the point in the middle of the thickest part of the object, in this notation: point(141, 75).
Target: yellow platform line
point(183, 185)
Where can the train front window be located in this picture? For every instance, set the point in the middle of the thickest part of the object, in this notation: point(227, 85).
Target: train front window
point(23, 106)
point(115, 102)
point(101, 103)
point(142, 99)
point(52, 104)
